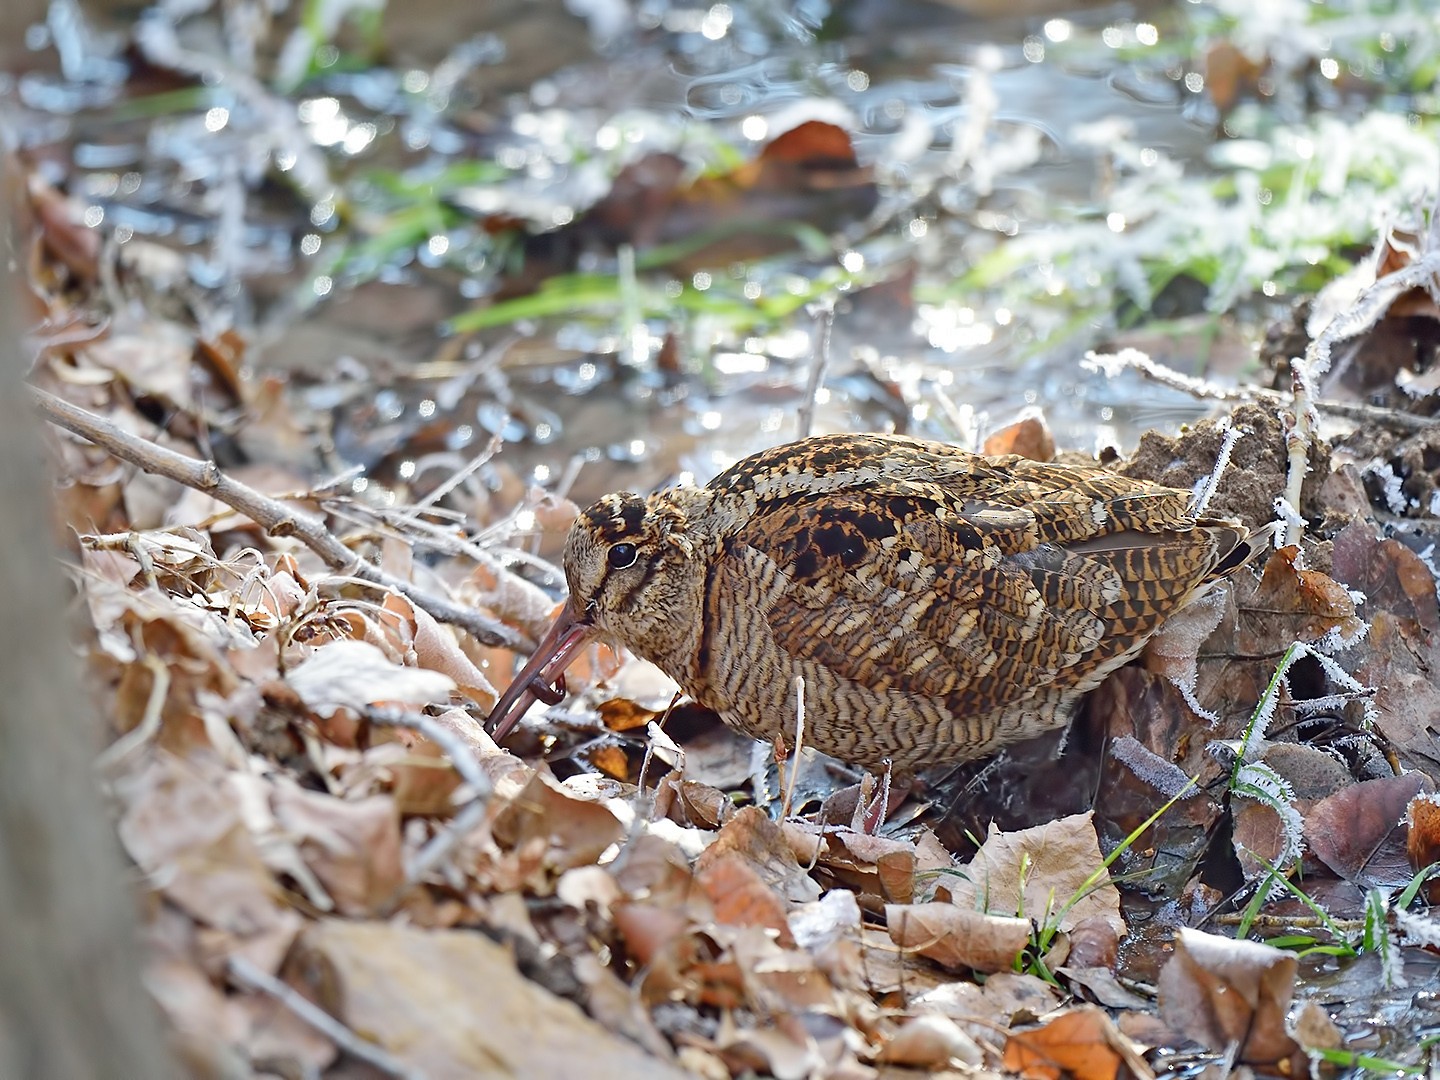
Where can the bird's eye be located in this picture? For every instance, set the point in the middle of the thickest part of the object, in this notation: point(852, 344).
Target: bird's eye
point(622, 555)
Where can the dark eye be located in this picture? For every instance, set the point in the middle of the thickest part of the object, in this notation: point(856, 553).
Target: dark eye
point(622, 555)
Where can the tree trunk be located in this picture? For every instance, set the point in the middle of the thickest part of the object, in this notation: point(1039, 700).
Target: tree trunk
point(71, 1002)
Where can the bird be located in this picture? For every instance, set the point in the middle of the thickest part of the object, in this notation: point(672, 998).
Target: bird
point(938, 604)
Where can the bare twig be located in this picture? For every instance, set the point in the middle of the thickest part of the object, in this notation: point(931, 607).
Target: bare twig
point(149, 724)
point(1297, 446)
point(819, 361)
point(1393, 419)
point(459, 476)
point(441, 845)
point(466, 819)
point(274, 516)
point(461, 756)
point(246, 974)
point(1206, 494)
point(785, 801)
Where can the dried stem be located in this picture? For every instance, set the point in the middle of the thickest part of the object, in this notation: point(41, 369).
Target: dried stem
point(247, 975)
point(819, 361)
point(1134, 359)
point(274, 516)
point(466, 819)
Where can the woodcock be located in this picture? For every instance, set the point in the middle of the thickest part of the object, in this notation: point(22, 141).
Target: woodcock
point(939, 604)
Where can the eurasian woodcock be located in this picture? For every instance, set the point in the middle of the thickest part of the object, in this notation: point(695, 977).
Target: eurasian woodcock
point(939, 604)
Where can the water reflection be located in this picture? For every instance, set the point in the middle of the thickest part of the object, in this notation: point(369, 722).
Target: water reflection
point(290, 168)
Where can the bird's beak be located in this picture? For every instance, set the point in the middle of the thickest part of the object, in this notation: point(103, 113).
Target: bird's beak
point(543, 676)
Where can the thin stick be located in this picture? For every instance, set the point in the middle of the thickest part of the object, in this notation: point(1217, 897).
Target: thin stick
point(1207, 490)
point(799, 745)
point(249, 976)
point(1297, 447)
point(149, 724)
point(459, 476)
point(275, 517)
point(1203, 389)
point(460, 755)
point(467, 818)
point(819, 361)
point(440, 847)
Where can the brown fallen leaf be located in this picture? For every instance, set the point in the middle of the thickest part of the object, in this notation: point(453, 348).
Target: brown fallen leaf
point(437, 650)
point(183, 829)
point(1295, 604)
point(555, 827)
point(353, 847)
point(740, 897)
point(1422, 837)
point(1219, 991)
point(760, 841)
point(1041, 873)
point(956, 938)
point(622, 714)
point(1359, 832)
point(1261, 837)
point(1008, 998)
point(1029, 437)
point(1082, 1043)
point(1229, 73)
point(452, 1004)
point(930, 1042)
point(611, 760)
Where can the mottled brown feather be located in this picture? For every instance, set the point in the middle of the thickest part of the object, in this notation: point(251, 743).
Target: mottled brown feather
point(939, 604)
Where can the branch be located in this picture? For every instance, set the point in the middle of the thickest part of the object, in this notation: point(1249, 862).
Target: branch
point(250, 977)
point(1359, 411)
point(466, 818)
point(274, 516)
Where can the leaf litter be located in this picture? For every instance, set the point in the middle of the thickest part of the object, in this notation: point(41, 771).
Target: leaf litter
point(275, 786)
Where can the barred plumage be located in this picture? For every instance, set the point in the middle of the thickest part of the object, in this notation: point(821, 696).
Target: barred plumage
point(939, 604)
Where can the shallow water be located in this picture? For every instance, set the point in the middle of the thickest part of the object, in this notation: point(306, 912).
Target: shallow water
point(981, 121)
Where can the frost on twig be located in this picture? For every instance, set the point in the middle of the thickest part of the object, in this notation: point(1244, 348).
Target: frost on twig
point(1205, 490)
point(276, 517)
point(1362, 313)
point(1113, 364)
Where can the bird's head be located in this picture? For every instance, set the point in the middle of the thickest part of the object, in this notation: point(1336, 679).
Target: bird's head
point(631, 565)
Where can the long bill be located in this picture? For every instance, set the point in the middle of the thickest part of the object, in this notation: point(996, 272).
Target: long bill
point(543, 676)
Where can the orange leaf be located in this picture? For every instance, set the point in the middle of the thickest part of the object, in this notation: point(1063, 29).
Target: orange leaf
point(1081, 1044)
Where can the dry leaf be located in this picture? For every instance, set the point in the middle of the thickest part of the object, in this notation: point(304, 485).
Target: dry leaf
point(1220, 991)
point(754, 837)
point(956, 938)
point(1029, 437)
point(1083, 1044)
point(436, 649)
point(740, 897)
point(186, 836)
point(930, 1042)
point(1422, 837)
point(452, 1004)
point(557, 828)
point(1037, 872)
point(356, 675)
point(352, 847)
point(1359, 831)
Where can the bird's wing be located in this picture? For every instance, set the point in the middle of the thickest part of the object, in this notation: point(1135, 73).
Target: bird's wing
point(970, 593)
